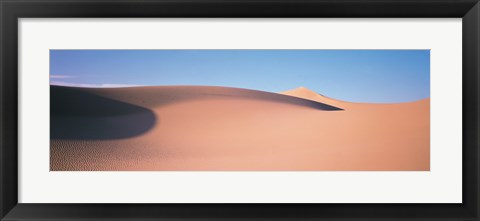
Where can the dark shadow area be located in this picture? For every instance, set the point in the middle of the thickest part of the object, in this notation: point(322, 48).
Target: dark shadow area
point(78, 114)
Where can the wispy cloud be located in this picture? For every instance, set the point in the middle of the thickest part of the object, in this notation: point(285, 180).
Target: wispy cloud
point(57, 83)
point(60, 76)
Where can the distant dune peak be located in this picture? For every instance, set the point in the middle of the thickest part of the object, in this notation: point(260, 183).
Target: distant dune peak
point(302, 89)
point(302, 92)
point(305, 93)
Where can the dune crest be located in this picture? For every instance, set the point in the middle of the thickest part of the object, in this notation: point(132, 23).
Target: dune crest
point(153, 96)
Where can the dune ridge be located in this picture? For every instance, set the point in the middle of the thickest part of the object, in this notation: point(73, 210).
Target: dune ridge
point(200, 128)
point(160, 94)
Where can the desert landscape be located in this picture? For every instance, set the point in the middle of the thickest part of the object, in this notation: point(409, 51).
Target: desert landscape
point(207, 128)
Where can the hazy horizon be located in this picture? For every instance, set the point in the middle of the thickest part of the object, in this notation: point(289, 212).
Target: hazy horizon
point(377, 76)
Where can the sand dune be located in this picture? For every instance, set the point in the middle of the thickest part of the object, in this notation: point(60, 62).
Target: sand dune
point(192, 128)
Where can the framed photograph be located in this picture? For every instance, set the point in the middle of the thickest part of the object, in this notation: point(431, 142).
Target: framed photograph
point(228, 110)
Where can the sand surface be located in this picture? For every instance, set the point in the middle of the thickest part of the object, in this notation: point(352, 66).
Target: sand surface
point(195, 128)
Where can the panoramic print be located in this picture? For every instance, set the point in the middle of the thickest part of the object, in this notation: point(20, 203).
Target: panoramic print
point(239, 110)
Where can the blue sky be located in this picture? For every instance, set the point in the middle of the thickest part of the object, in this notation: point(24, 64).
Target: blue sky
point(379, 76)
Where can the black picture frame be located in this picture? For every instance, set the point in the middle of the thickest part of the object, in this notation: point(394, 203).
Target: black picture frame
point(12, 10)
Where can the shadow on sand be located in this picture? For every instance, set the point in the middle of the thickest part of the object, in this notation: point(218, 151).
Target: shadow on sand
point(76, 114)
